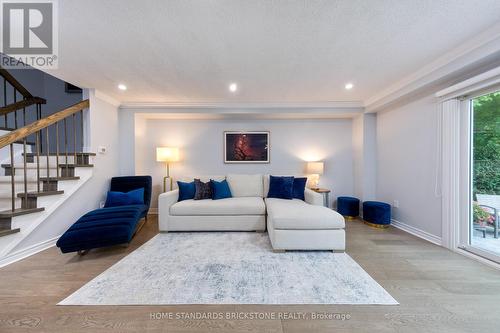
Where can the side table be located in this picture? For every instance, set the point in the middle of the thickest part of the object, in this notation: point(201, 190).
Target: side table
point(326, 195)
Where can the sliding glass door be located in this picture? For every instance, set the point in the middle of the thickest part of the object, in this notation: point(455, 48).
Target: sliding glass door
point(481, 234)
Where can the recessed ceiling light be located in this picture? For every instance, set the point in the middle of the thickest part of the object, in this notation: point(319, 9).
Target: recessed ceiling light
point(349, 86)
point(233, 87)
point(121, 86)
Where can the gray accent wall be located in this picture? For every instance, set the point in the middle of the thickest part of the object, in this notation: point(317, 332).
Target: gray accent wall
point(201, 148)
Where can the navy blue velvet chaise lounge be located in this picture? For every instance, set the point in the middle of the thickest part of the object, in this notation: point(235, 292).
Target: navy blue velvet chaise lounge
point(110, 225)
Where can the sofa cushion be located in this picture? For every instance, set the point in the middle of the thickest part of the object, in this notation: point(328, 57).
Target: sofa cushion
point(186, 190)
point(229, 206)
point(220, 190)
point(299, 186)
point(134, 197)
point(280, 187)
point(202, 190)
point(245, 185)
point(206, 178)
point(296, 214)
point(265, 180)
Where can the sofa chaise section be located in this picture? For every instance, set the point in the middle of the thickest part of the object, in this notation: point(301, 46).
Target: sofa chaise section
point(297, 225)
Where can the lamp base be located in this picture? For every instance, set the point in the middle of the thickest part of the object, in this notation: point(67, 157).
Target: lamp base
point(165, 183)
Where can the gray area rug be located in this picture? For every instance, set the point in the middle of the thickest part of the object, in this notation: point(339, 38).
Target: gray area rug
point(229, 268)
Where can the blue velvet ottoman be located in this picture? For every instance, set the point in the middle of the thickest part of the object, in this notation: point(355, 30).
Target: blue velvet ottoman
point(377, 214)
point(102, 227)
point(348, 207)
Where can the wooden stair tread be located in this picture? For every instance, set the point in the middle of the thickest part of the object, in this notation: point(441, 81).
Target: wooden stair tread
point(17, 179)
point(44, 179)
point(20, 211)
point(76, 165)
point(6, 232)
point(37, 194)
point(29, 165)
point(63, 154)
point(32, 165)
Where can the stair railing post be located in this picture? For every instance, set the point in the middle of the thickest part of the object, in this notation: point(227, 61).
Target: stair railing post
point(25, 174)
point(15, 112)
point(74, 139)
point(47, 152)
point(13, 185)
point(66, 144)
point(81, 135)
point(37, 139)
point(5, 100)
point(38, 117)
point(57, 149)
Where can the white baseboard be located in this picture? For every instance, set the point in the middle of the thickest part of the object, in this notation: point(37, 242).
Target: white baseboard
point(417, 232)
point(477, 258)
point(153, 211)
point(24, 253)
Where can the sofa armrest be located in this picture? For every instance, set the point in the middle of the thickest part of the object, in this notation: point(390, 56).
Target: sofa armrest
point(313, 198)
point(165, 201)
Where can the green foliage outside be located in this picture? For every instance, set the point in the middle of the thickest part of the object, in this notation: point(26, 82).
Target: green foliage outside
point(487, 144)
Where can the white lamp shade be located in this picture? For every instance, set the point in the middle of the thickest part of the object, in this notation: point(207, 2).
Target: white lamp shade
point(167, 154)
point(315, 168)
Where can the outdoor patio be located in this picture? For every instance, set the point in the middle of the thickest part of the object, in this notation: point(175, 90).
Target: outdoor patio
point(489, 243)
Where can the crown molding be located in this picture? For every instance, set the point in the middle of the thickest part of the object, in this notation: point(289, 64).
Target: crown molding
point(483, 46)
point(243, 105)
point(102, 96)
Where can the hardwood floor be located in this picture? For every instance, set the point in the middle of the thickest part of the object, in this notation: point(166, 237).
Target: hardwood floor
point(438, 291)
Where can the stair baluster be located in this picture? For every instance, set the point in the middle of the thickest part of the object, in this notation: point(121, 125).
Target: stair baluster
point(74, 139)
point(24, 114)
point(37, 140)
point(13, 185)
point(25, 174)
point(47, 153)
point(81, 136)
point(15, 112)
point(66, 144)
point(57, 150)
point(5, 100)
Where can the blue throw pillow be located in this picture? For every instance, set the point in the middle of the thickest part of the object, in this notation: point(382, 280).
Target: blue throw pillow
point(220, 190)
point(186, 190)
point(299, 186)
point(134, 197)
point(280, 187)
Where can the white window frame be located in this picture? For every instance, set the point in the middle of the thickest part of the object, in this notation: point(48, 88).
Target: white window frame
point(456, 162)
point(466, 174)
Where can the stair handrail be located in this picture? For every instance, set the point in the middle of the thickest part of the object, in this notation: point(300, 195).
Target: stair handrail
point(38, 125)
point(7, 76)
point(21, 105)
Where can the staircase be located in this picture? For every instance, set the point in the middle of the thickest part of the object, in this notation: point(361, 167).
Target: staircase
point(42, 162)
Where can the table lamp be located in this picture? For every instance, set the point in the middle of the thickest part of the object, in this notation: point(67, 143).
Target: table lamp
point(168, 155)
point(315, 169)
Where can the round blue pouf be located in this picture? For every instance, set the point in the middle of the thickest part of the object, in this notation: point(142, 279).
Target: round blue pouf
point(348, 206)
point(377, 214)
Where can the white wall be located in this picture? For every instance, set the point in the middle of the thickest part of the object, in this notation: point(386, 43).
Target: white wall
point(201, 146)
point(364, 136)
point(407, 141)
point(104, 132)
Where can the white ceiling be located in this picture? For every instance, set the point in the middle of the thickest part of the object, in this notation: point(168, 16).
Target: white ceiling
point(277, 51)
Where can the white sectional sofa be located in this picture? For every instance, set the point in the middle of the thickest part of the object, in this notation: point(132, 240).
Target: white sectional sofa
point(292, 224)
